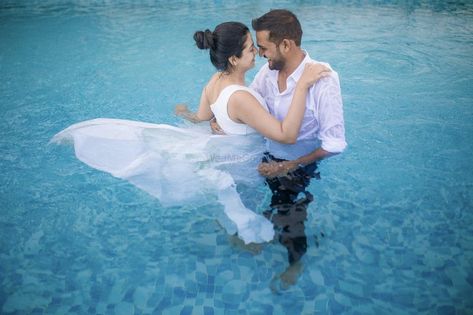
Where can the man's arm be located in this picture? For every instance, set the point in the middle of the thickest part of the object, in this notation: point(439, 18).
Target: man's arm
point(273, 169)
point(331, 131)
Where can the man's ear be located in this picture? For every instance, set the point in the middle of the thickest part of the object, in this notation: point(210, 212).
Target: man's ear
point(286, 45)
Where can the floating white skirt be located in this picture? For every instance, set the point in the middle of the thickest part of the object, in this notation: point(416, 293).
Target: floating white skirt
point(177, 165)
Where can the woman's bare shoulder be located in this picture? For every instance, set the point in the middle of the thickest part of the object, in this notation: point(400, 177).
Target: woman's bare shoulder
point(242, 97)
point(214, 78)
point(212, 88)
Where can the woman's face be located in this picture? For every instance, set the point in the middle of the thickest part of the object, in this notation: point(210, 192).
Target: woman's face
point(247, 59)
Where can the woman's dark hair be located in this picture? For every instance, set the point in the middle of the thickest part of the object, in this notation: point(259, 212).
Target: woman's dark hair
point(281, 24)
point(225, 41)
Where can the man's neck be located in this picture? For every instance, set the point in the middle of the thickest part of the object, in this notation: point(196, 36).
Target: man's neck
point(292, 62)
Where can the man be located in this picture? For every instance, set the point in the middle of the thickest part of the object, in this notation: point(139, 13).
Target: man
point(288, 168)
point(322, 133)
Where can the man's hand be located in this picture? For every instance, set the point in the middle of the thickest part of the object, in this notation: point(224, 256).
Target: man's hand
point(275, 169)
point(216, 129)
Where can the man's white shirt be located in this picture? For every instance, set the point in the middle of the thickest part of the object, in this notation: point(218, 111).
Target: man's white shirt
point(323, 123)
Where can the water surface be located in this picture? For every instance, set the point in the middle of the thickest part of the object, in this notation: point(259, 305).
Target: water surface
point(395, 209)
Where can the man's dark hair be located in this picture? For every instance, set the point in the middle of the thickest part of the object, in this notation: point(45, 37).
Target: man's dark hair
point(281, 24)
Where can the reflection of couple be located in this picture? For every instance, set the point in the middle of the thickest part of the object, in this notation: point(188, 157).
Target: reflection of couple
point(294, 102)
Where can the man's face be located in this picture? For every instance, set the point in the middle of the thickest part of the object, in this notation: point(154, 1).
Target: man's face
point(270, 51)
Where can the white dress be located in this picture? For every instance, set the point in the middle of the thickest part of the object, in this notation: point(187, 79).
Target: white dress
point(180, 165)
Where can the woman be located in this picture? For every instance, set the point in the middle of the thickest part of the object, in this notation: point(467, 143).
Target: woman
point(238, 109)
point(188, 166)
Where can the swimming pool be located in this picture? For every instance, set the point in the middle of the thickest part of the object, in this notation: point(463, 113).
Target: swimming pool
point(395, 210)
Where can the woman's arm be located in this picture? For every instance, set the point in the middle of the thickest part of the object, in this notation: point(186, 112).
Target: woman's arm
point(204, 113)
point(244, 107)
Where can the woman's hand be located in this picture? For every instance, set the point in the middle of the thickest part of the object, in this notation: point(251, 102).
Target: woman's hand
point(181, 109)
point(312, 73)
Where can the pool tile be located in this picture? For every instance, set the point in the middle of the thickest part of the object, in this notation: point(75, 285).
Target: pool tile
point(186, 310)
point(208, 310)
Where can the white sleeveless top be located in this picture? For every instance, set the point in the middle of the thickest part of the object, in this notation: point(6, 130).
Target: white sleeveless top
point(220, 110)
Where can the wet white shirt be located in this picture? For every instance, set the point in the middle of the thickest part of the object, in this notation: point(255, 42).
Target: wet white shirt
point(323, 123)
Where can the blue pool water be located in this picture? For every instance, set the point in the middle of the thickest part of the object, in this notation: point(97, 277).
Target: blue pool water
point(390, 231)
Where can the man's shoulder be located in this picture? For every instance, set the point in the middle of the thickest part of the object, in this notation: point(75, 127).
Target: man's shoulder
point(331, 79)
point(325, 64)
point(333, 73)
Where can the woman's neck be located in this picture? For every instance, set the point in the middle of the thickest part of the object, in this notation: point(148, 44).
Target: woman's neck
point(234, 77)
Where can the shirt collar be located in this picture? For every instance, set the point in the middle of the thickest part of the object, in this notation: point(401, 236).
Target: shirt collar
point(296, 75)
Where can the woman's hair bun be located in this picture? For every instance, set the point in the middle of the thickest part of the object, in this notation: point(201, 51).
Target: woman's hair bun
point(204, 39)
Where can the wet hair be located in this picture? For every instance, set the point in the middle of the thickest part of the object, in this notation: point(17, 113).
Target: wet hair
point(226, 40)
point(281, 24)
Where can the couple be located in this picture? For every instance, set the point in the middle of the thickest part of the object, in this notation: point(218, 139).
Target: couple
point(173, 163)
point(302, 121)
point(293, 102)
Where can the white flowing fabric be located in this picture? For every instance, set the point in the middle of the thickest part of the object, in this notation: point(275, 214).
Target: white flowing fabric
point(176, 165)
